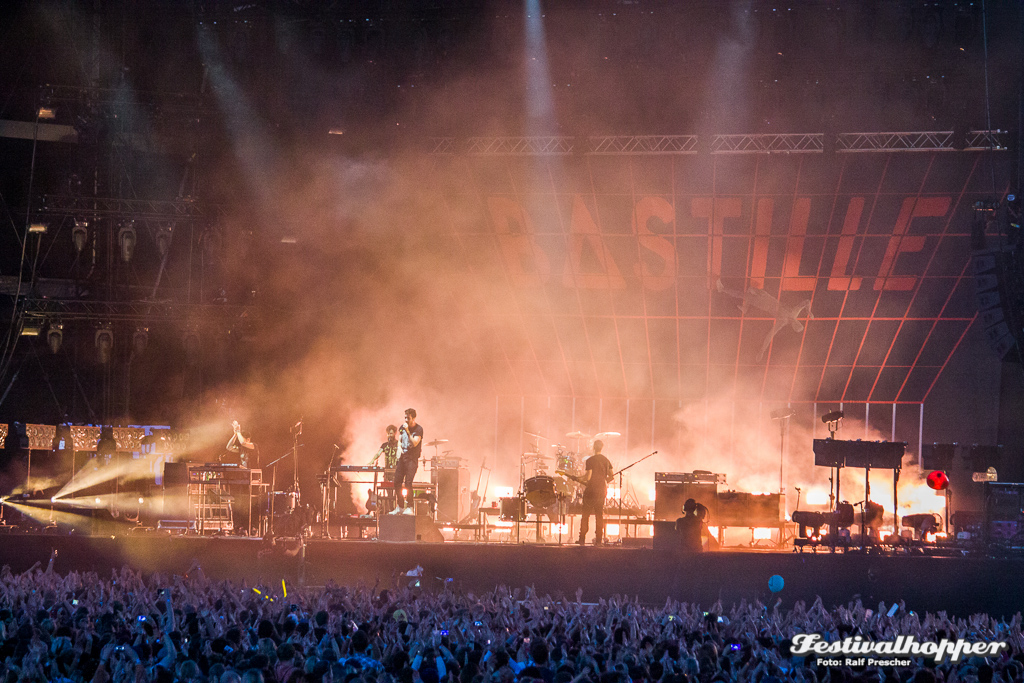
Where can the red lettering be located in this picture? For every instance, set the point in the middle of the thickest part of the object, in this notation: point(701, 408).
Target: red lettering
point(901, 243)
point(647, 208)
point(526, 263)
point(716, 210)
point(585, 233)
point(791, 279)
point(838, 280)
point(762, 232)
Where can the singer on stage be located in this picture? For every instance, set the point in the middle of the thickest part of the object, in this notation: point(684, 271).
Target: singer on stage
point(410, 437)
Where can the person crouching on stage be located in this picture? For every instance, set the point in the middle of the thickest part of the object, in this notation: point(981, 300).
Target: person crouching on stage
point(410, 437)
point(389, 449)
point(595, 480)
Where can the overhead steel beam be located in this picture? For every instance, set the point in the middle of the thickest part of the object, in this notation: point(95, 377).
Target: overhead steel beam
point(768, 143)
point(133, 311)
point(644, 144)
point(926, 141)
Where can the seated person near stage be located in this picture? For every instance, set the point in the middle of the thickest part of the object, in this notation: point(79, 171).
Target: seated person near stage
point(389, 449)
point(240, 449)
point(690, 527)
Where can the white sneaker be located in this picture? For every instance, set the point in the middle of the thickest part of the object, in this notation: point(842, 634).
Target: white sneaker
point(408, 511)
point(396, 511)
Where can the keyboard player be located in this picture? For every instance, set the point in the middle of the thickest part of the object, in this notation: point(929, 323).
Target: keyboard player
point(240, 449)
point(388, 449)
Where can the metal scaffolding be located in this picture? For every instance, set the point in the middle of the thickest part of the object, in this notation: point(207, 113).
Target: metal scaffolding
point(644, 144)
point(768, 143)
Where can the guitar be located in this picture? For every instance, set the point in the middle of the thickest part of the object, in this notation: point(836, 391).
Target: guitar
point(568, 475)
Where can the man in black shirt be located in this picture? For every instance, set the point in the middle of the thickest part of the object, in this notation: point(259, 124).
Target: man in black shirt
point(389, 449)
point(595, 480)
point(410, 437)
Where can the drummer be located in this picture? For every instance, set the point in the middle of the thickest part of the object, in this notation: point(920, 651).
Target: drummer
point(389, 449)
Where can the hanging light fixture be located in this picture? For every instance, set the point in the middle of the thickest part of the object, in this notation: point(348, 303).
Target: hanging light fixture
point(104, 340)
point(163, 240)
point(140, 340)
point(55, 336)
point(126, 238)
point(80, 235)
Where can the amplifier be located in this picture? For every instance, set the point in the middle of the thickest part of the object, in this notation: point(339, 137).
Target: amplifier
point(669, 497)
point(695, 477)
point(748, 509)
point(1004, 512)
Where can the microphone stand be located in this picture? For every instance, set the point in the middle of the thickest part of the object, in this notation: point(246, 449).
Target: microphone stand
point(273, 486)
point(635, 462)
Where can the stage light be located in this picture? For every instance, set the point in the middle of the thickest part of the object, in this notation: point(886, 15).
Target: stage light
point(104, 340)
point(80, 235)
point(762, 533)
point(140, 339)
point(938, 481)
point(31, 328)
point(163, 240)
point(141, 500)
point(127, 238)
point(37, 228)
point(55, 336)
point(97, 501)
point(833, 416)
point(46, 113)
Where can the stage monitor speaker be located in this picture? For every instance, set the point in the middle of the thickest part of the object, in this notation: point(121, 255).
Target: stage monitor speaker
point(665, 537)
point(408, 528)
point(452, 493)
point(669, 498)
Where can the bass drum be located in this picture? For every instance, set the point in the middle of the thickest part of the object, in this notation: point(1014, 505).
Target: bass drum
point(540, 491)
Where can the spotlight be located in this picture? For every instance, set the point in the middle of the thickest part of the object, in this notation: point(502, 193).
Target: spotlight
point(55, 336)
point(104, 340)
point(141, 500)
point(46, 113)
point(37, 228)
point(97, 501)
point(80, 235)
point(833, 416)
point(31, 329)
point(127, 238)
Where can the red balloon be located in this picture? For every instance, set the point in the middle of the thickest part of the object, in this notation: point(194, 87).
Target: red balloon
point(938, 480)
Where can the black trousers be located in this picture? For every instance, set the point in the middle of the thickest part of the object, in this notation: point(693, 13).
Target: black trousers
point(592, 506)
point(405, 472)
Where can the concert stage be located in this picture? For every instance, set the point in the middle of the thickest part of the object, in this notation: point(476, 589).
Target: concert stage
point(959, 585)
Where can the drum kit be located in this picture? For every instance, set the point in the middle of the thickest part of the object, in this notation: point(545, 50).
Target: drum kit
point(543, 491)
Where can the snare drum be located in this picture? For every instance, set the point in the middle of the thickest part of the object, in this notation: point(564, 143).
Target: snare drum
point(540, 491)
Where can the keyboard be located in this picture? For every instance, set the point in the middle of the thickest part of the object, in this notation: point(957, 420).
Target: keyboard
point(356, 468)
point(224, 474)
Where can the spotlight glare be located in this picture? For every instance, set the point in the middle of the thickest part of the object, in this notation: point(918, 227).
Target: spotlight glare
point(141, 501)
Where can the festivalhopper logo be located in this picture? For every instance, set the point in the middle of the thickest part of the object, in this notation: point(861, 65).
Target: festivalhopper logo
point(857, 651)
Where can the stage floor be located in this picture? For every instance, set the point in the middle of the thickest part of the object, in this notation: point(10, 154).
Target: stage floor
point(959, 585)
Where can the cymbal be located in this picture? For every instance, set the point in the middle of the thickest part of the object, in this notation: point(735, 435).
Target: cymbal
point(578, 435)
point(536, 436)
point(437, 442)
point(606, 435)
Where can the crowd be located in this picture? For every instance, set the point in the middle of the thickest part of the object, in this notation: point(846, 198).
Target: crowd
point(127, 628)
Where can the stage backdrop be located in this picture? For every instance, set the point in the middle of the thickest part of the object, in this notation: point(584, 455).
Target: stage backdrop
point(642, 293)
